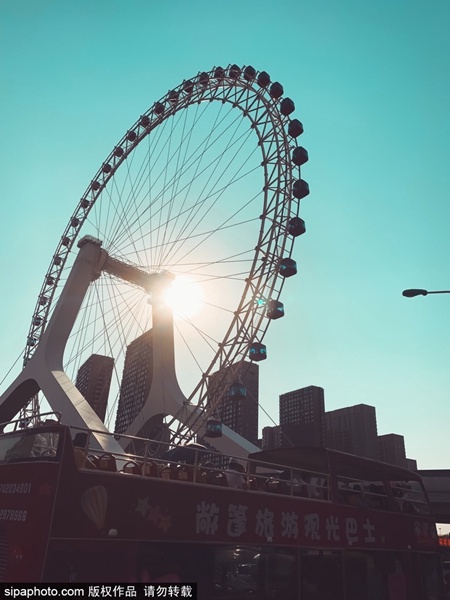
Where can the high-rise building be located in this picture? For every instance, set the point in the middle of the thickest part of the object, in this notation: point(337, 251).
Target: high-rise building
point(391, 449)
point(238, 408)
point(411, 464)
point(271, 437)
point(136, 380)
point(353, 429)
point(302, 418)
point(93, 381)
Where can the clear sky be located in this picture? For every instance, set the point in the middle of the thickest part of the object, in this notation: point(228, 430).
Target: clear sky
point(371, 84)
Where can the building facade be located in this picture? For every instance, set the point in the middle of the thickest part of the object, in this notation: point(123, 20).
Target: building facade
point(93, 382)
point(302, 417)
point(391, 449)
point(239, 390)
point(271, 437)
point(353, 429)
point(411, 464)
point(136, 380)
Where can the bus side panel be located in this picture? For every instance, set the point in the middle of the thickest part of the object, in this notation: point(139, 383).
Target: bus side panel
point(91, 561)
point(27, 494)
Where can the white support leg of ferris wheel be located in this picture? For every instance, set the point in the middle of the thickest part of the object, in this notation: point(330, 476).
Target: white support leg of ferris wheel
point(44, 371)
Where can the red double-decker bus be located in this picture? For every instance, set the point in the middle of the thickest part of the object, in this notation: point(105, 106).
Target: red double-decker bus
point(303, 524)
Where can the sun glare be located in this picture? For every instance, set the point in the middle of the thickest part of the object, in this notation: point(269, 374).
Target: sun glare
point(184, 297)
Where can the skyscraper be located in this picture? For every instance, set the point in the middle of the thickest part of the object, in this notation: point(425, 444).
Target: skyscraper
point(411, 464)
point(239, 406)
point(391, 449)
point(271, 437)
point(93, 382)
point(302, 418)
point(136, 380)
point(353, 429)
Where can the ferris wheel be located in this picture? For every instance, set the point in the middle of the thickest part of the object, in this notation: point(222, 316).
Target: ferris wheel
point(205, 186)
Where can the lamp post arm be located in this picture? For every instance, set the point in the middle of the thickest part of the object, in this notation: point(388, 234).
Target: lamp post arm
point(412, 293)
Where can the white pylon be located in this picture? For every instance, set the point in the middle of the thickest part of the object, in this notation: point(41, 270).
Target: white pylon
point(44, 371)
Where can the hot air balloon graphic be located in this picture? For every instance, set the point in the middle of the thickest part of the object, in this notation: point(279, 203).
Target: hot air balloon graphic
point(94, 501)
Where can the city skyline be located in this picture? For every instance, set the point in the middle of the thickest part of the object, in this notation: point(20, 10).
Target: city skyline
point(352, 429)
point(370, 86)
point(303, 420)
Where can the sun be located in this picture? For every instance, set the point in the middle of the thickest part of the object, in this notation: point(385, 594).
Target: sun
point(184, 297)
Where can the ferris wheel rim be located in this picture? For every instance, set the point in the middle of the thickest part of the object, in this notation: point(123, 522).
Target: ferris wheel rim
point(258, 103)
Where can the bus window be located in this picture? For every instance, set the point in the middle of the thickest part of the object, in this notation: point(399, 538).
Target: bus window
point(375, 576)
point(364, 493)
point(410, 497)
point(375, 493)
point(242, 571)
point(321, 575)
point(278, 567)
point(28, 445)
point(160, 562)
point(310, 485)
point(332, 588)
point(431, 576)
point(236, 571)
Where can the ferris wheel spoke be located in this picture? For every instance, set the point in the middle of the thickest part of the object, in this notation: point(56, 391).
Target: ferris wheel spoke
point(188, 165)
point(164, 206)
point(123, 204)
point(131, 202)
point(195, 159)
point(192, 267)
point(87, 329)
point(188, 235)
point(209, 232)
point(176, 180)
point(198, 172)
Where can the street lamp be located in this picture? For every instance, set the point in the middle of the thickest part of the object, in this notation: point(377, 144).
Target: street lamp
point(414, 292)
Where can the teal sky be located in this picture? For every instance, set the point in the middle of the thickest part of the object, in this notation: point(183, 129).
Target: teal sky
point(370, 81)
